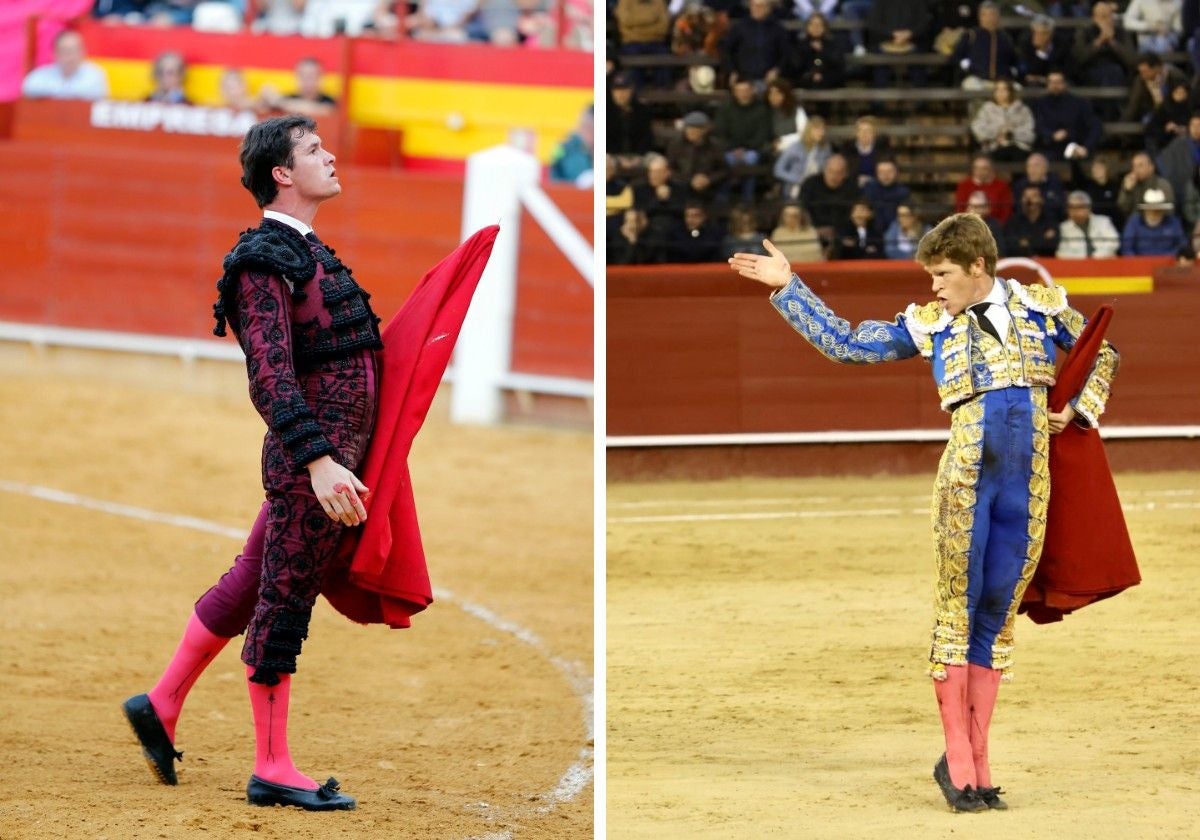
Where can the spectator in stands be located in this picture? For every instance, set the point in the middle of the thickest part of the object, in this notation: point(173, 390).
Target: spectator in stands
point(899, 27)
point(697, 240)
point(618, 194)
point(860, 237)
point(829, 195)
point(661, 198)
point(743, 236)
point(885, 193)
point(1038, 175)
point(234, 92)
point(1039, 52)
point(1065, 124)
point(1170, 118)
point(1102, 187)
point(901, 238)
point(307, 99)
point(643, 26)
point(441, 21)
point(1141, 178)
point(168, 72)
point(743, 129)
point(509, 23)
point(71, 76)
point(1085, 234)
point(979, 204)
point(572, 160)
point(803, 159)
point(278, 17)
point(796, 237)
point(983, 179)
point(1104, 53)
point(788, 119)
point(1004, 126)
point(629, 134)
point(817, 63)
point(697, 158)
point(1151, 87)
point(698, 30)
point(1030, 232)
point(985, 53)
point(1154, 230)
point(757, 46)
point(629, 246)
point(865, 149)
point(1156, 23)
point(1178, 161)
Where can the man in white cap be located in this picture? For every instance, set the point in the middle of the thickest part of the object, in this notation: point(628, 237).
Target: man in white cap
point(1154, 230)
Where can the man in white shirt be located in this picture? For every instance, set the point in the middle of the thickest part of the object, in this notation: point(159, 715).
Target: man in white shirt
point(70, 76)
point(1086, 234)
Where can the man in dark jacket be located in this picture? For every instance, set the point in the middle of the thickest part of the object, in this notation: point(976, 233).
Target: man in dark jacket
point(898, 27)
point(1039, 52)
point(696, 239)
point(1104, 54)
point(1063, 121)
point(1030, 232)
point(697, 159)
point(885, 193)
point(829, 195)
point(756, 46)
point(743, 129)
point(1151, 87)
point(986, 52)
point(629, 134)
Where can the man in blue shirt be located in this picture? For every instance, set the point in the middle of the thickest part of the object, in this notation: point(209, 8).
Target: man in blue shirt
point(70, 76)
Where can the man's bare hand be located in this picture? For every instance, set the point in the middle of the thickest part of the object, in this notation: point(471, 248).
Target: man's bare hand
point(1061, 420)
point(774, 270)
point(338, 490)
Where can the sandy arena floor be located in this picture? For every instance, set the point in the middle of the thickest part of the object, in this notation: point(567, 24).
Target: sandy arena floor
point(475, 723)
point(766, 672)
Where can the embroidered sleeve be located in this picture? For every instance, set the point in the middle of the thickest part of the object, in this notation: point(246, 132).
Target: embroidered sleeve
point(867, 343)
point(265, 333)
point(1089, 403)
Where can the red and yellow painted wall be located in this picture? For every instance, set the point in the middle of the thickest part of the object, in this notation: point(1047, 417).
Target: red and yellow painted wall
point(445, 102)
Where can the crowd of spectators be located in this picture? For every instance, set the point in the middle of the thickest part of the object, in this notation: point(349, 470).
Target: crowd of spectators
point(714, 143)
point(507, 23)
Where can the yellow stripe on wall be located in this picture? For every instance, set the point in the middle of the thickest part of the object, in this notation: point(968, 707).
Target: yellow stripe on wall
point(1139, 285)
point(437, 119)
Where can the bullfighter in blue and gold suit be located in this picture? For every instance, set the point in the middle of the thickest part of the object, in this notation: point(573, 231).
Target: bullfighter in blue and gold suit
point(991, 345)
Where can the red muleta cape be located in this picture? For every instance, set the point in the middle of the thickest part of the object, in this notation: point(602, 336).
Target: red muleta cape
point(386, 581)
point(1087, 554)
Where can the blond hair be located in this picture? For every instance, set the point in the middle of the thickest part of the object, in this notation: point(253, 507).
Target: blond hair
point(961, 239)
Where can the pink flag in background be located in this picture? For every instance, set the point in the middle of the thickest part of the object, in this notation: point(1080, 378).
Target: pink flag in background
point(14, 15)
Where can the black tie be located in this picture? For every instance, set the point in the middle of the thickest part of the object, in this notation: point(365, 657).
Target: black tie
point(980, 310)
point(1087, 241)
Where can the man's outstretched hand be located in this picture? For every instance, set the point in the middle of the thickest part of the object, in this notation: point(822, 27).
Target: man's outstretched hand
point(774, 270)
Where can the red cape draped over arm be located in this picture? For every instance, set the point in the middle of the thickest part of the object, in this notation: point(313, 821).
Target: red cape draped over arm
point(1087, 555)
point(386, 581)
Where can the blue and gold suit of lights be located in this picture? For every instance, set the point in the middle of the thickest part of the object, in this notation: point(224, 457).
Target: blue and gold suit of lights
point(993, 482)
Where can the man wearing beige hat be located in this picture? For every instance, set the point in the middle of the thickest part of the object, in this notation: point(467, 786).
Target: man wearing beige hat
point(1154, 230)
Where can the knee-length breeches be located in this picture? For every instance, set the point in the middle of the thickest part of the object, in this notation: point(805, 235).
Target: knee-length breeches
point(270, 590)
point(989, 522)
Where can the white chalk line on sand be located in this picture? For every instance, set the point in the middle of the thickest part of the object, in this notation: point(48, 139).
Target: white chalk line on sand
point(847, 513)
point(576, 778)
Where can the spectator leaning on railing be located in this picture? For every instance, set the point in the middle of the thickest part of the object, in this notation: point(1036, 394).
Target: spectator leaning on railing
point(71, 76)
point(1084, 233)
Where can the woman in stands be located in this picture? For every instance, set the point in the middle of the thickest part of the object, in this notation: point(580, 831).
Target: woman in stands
point(1004, 126)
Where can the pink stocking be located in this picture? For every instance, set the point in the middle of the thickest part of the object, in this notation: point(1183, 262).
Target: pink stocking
point(198, 647)
point(982, 686)
point(952, 706)
point(272, 760)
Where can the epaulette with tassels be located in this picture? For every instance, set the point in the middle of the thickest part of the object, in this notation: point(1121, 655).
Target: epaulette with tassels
point(271, 248)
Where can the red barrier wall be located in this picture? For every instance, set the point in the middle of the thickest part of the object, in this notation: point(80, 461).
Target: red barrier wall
point(131, 238)
point(698, 350)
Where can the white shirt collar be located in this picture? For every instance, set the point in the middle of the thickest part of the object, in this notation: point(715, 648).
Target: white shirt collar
point(999, 317)
point(290, 221)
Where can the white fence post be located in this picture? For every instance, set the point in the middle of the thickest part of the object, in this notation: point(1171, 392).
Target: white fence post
point(495, 180)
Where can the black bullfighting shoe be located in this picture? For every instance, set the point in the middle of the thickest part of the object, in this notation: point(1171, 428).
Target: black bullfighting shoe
point(964, 799)
point(324, 798)
point(157, 748)
point(991, 798)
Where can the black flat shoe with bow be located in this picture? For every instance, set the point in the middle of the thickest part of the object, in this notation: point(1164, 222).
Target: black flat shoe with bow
point(325, 798)
point(991, 798)
point(159, 752)
point(959, 799)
